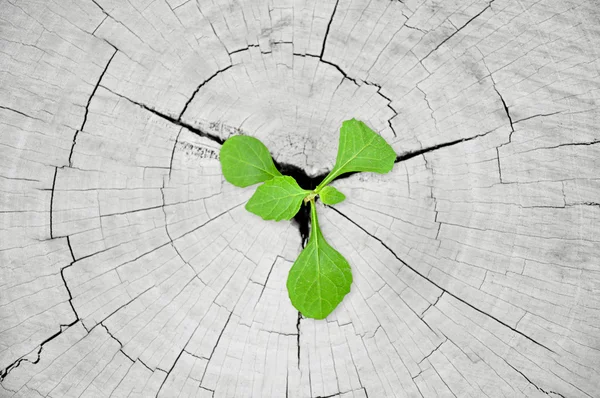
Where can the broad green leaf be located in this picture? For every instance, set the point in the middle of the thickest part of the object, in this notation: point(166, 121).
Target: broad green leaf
point(320, 277)
point(331, 196)
point(360, 149)
point(246, 161)
point(277, 199)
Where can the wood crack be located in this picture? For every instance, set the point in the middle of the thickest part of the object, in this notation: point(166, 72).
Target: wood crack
point(298, 336)
point(52, 200)
point(458, 30)
point(4, 373)
point(356, 82)
point(19, 112)
point(532, 383)
point(198, 89)
point(62, 275)
point(87, 107)
point(327, 30)
point(440, 287)
point(410, 155)
point(171, 119)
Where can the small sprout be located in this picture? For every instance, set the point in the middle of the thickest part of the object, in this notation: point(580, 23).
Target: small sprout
point(320, 276)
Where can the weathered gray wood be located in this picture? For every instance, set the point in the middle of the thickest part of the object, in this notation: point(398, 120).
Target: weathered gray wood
point(129, 267)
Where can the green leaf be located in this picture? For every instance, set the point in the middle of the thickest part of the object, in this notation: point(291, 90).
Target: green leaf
point(277, 199)
point(331, 196)
point(360, 149)
point(320, 277)
point(246, 161)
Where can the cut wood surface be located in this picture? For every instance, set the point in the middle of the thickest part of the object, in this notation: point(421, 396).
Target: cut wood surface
point(130, 268)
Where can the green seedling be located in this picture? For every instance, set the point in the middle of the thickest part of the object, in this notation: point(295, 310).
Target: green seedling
point(320, 276)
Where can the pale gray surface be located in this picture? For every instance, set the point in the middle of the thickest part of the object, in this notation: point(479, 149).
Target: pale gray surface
point(130, 267)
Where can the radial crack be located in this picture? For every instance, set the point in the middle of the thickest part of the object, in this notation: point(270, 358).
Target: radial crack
point(18, 362)
point(431, 353)
point(534, 116)
point(530, 382)
point(435, 123)
point(87, 107)
point(456, 31)
point(62, 275)
point(52, 200)
point(410, 155)
point(327, 30)
point(438, 286)
point(298, 337)
point(173, 154)
point(268, 275)
point(171, 119)
point(19, 112)
point(512, 127)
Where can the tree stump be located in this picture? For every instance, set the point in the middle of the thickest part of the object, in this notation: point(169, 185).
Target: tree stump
point(130, 267)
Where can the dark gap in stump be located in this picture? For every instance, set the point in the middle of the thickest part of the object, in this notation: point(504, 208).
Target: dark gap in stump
point(302, 218)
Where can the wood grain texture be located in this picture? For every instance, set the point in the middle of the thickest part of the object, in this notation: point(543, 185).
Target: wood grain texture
point(130, 268)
